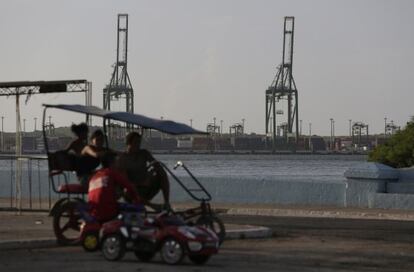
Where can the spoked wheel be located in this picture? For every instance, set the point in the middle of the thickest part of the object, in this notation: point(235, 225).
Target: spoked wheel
point(144, 256)
point(66, 224)
point(215, 224)
point(113, 247)
point(199, 259)
point(172, 252)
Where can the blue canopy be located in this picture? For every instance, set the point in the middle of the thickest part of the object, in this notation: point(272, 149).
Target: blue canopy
point(165, 126)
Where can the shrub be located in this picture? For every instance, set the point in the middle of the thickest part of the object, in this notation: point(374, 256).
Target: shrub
point(398, 151)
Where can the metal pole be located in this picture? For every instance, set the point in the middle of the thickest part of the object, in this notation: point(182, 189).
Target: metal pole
point(214, 133)
point(310, 135)
point(330, 147)
point(35, 123)
point(2, 134)
point(333, 133)
point(214, 122)
point(18, 154)
point(350, 125)
point(243, 120)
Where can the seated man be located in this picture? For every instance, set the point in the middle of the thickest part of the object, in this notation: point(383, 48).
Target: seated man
point(102, 197)
point(143, 171)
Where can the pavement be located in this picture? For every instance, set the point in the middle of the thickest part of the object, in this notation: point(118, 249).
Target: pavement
point(34, 229)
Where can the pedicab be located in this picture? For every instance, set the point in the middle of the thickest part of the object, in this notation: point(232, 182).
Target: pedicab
point(68, 212)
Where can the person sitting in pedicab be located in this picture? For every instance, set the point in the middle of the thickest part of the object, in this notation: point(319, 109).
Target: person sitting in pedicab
point(90, 157)
point(65, 160)
point(102, 195)
point(81, 132)
point(144, 171)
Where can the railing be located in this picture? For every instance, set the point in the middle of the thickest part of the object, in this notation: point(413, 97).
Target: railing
point(24, 183)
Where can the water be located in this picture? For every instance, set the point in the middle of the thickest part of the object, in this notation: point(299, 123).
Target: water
point(275, 167)
point(329, 168)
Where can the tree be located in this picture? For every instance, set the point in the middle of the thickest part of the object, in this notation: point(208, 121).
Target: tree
point(398, 151)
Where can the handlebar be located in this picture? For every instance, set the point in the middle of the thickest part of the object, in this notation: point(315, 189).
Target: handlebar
point(178, 164)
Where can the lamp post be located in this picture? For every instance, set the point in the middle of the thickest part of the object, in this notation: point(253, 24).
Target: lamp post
point(2, 134)
point(331, 139)
point(310, 135)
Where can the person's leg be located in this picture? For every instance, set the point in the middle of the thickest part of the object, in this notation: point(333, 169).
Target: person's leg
point(165, 185)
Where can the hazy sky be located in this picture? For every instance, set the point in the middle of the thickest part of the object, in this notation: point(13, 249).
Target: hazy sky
point(204, 59)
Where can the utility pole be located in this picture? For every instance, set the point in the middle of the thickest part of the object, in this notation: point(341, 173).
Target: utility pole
point(331, 140)
point(214, 134)
point(243, 120)
point(310, 135)
point(2, 134)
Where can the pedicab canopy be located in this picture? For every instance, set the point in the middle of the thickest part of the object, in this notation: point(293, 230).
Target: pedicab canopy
point(165, 126)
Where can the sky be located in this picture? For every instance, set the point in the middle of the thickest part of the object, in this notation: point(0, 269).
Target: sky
point(192, 59)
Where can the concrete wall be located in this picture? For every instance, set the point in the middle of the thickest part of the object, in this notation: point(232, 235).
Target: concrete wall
point(268, 191)
point(370, 185)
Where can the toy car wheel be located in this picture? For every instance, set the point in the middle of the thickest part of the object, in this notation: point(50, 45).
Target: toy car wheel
point(66, 224)
point(144, 256)
point(172, 252)
point(113, 247)
point(199, 259)
point(215, 224)
point(90, 241)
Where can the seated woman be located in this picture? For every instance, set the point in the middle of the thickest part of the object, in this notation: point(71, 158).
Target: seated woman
point(90, 157)
point(77, 145)
point(65, 160)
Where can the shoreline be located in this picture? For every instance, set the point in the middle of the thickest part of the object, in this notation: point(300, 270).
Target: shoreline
point(225, 152)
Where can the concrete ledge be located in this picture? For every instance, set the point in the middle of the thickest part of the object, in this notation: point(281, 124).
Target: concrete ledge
point(28, 244)
point(337, 213)
point(249, 232)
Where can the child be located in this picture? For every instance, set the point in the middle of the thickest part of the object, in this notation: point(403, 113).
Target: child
point(102, 197)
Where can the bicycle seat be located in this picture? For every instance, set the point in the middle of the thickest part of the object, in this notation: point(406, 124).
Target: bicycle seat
point(72, 188)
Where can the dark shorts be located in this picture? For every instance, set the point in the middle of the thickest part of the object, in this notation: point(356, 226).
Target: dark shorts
point(149, 192)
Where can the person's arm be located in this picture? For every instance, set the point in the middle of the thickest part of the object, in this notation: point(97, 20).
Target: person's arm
point(70, 146)
point(127, 185)
point(91, 151)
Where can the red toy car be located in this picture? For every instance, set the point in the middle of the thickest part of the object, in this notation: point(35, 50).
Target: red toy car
point(165, 233)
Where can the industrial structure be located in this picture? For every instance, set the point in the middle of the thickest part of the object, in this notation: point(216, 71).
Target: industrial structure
point(391, 128)
point(360, 135)
point(283, 89)
point(29, 88)
point(120, 86)
point(236, 129)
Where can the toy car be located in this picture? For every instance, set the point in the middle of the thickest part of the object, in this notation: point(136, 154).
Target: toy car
point(164, 233)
